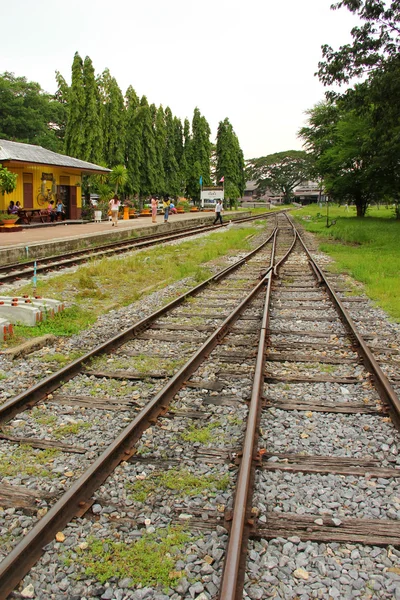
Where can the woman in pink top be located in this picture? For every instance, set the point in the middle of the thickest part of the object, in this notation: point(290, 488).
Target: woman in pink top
point(114, 207)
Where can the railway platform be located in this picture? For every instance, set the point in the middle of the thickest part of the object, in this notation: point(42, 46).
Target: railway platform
point(47, 240)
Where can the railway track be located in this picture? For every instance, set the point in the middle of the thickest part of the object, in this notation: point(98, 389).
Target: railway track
point(17, 271)
point(138, 395)
point(245, 381)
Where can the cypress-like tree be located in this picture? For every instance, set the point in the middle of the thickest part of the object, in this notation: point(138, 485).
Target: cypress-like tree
point(92, 147)
point(113, 120)
point(147, 168)
point(171, 166)
point(160, 137)
point(200, 155)
point(133, 141)
point(178, 152)
point(186, 160)
point(74, 133)
point(230, 162)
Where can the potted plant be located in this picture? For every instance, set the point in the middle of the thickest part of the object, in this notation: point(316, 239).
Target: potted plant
point(6, 219)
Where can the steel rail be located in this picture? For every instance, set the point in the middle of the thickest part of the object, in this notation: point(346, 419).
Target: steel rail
point(81, 256)
point(234, 564)
point(76, 500)
point(382, 383)
point(36, 393)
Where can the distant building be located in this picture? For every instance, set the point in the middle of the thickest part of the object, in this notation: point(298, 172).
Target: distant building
point(251, 194)
point(308, 192)
point(305, 193)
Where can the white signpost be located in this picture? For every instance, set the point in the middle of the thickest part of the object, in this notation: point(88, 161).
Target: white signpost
point(211, 194)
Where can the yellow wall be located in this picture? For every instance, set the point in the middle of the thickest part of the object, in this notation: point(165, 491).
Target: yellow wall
point(37, 170)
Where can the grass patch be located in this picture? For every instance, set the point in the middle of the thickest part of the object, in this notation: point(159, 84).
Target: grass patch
point(149, 561)
point(181, 481)
point(203, 435)
point(26, 460)
point(43, 418)
point(61, 359)
point(64, 431)
point(69, 322)
point(366, 248)
point(142, 363)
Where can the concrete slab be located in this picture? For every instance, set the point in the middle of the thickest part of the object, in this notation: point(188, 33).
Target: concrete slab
point(29, 311)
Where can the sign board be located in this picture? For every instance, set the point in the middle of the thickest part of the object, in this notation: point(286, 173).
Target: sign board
point(212, 194)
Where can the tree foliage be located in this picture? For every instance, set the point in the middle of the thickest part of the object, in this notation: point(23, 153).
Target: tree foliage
point(355, 136)
point(280, 172)
point(8, 181)
point(74, 134)
point(375, 41)
point(28, 114)
point(229, 161)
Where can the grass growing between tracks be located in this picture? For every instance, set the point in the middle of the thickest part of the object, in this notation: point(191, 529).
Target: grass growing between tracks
point(149, 561)
point(180, 481)
point(112, 283)
point(26, 460)
point(366, 248)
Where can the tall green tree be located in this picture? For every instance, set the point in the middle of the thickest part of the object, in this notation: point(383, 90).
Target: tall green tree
point(148, 176)
point(74, 134)
point(133, 141)
point(160, 138)
point(172, 146)
point(229, 161)
point(280, 172)
point(339, 141)
point(92, 146)
point(113, 118)
point(199, 155)
point(186, 159)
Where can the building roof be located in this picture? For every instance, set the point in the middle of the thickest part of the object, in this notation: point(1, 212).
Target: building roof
point(28, 153)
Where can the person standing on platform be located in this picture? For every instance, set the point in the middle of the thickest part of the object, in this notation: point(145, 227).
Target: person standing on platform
point(114, 207)
point(154, 208)
point(60, 210)
point(166, 204)
point(218, 212)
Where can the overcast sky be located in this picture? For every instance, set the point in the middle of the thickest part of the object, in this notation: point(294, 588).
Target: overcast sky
point(252, 61)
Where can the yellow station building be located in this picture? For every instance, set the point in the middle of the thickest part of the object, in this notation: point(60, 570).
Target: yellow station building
point(44, 175)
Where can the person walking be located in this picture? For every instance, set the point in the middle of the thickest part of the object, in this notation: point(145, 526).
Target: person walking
point(218, 212)
point(154, 208)
point(166, 204)
point(114, 207)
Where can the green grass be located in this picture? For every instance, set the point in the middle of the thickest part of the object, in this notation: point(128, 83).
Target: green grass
point(26, 460)
point(63, 431)
point(203, 435)
point(367, 248)
point(149, 561)
point(111, 283)
point(181, 481)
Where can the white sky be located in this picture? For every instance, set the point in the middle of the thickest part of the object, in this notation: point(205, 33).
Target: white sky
point(252, 61)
